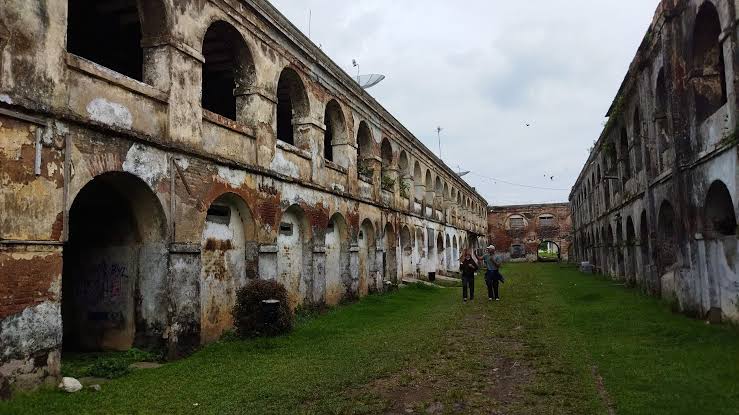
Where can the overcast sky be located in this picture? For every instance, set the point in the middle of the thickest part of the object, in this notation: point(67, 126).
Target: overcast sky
point(482, 70)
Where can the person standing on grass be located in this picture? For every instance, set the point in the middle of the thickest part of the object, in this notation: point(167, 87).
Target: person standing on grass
point(468, 267)
point(492, 274)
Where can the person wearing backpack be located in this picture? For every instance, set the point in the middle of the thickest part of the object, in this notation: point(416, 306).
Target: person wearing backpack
point(493, 278)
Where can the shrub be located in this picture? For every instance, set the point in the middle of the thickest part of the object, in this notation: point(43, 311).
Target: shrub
point(250, 316)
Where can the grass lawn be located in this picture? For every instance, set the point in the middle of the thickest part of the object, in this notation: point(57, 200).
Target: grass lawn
point(558, 342)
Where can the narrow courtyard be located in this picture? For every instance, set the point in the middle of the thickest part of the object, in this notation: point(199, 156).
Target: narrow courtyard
point(559, 342)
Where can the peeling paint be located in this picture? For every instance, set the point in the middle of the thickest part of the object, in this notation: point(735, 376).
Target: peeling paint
point(110, 113)
point(147, 163)
point(235, 178)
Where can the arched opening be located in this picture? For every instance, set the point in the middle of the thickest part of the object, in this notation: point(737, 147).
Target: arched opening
point(108, 34)
point(708, 76)
point(228, 69)
point(338, 275)
point(406, 245)
point(367, 257)
point(294, 255)
point(631, 270)
point(644, 243)
point(720, 228)
point(610, 246)
point(418, 182)
point(440, 249)
point(548, 251)
point(420, 255)
point(292, 105)
point(637, 140)
point(439, 193)
point(228, 257)
point(455, 254)
point(335, 133)
point(621, 263)
point(448, 253)
point(386, 153)
point(390, 257)
point(623, 152)
point(667, 236)
point(429, 189)
point(663, 138)
point(115, 267)
point(405, 175)
point(364, 151)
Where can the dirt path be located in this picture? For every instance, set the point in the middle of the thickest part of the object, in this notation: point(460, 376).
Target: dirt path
point(494, 361)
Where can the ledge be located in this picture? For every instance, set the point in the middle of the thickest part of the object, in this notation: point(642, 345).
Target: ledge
point(95, 70)
point(292, 149)
point(228, 123)
point(365, 180)
point(268, 249)
point(184, 248)
point(333, 166)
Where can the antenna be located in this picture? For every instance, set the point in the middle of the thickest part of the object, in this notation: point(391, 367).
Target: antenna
point(310, 17)
point(438, 135)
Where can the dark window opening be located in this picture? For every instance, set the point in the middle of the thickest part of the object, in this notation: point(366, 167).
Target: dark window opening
point(286, 228)
point(709, 72)
point(223, 69)
point(219, 214)
point(624, 152)
point(284, 114)
point(107, 33)
point(719, 211)
point(328, 141)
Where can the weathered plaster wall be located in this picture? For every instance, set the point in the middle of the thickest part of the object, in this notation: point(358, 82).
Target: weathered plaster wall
point(168, 279)
point(660, 211)
point(522, 243)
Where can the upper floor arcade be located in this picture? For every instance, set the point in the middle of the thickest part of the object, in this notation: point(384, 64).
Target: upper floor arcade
point(231, 80)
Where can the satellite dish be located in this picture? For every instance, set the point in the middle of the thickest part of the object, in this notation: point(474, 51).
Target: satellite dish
point(368, 81)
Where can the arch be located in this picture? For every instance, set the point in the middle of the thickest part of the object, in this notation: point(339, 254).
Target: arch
point(117, 245)
point(390, 257)
point(631, 270)
point(404, 165)
point(661, 102)
point(449, 253)
point(439, 249)
point(338, 273)
point(623, 151)
point(228, 70)
point(429, 188)
point(294, 254)
point(548, 251)
point(644, 242)
point(335, 134)
point(386, 154)
point(455, 253)
point(110, 36)
point(610, 242)
point(718, 211)
point(620, 271)
point(637, 128)
point(367, 257)
point(292, 105)
point(666, 235)
point(421, 252)
point(365, 150)
point(406, 246)
point(229, 233)
point(708, 76)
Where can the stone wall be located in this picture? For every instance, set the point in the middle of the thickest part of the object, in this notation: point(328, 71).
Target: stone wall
point(517, 231)
point(137, 194)
point(655, 205)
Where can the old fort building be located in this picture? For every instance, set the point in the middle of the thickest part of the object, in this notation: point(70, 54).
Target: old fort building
point(155, 155)
point(656, 202)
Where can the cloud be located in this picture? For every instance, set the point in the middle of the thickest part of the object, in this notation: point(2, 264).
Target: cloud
point(482, 70)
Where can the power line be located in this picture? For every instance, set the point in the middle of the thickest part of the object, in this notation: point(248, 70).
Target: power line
point(516, 184)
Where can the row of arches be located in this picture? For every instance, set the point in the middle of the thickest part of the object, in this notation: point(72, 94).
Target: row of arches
point(117, 262)
point(112, 35)
point(618, 249)
point(637, 144)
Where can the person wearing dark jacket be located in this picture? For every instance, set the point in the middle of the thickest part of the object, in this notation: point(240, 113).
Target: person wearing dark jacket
point(468, 267)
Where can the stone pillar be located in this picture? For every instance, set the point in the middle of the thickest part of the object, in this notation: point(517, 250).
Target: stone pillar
point(183, 334)
point(309, 137)
point(256, 107)
point(319, 274)
point(354, 269)
point(268, 262)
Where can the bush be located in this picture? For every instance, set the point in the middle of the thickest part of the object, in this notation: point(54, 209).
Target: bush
point(250, 316)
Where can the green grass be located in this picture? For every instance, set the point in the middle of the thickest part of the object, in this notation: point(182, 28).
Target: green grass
point(652, 360)
point(553, 329)
point(347, 346)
